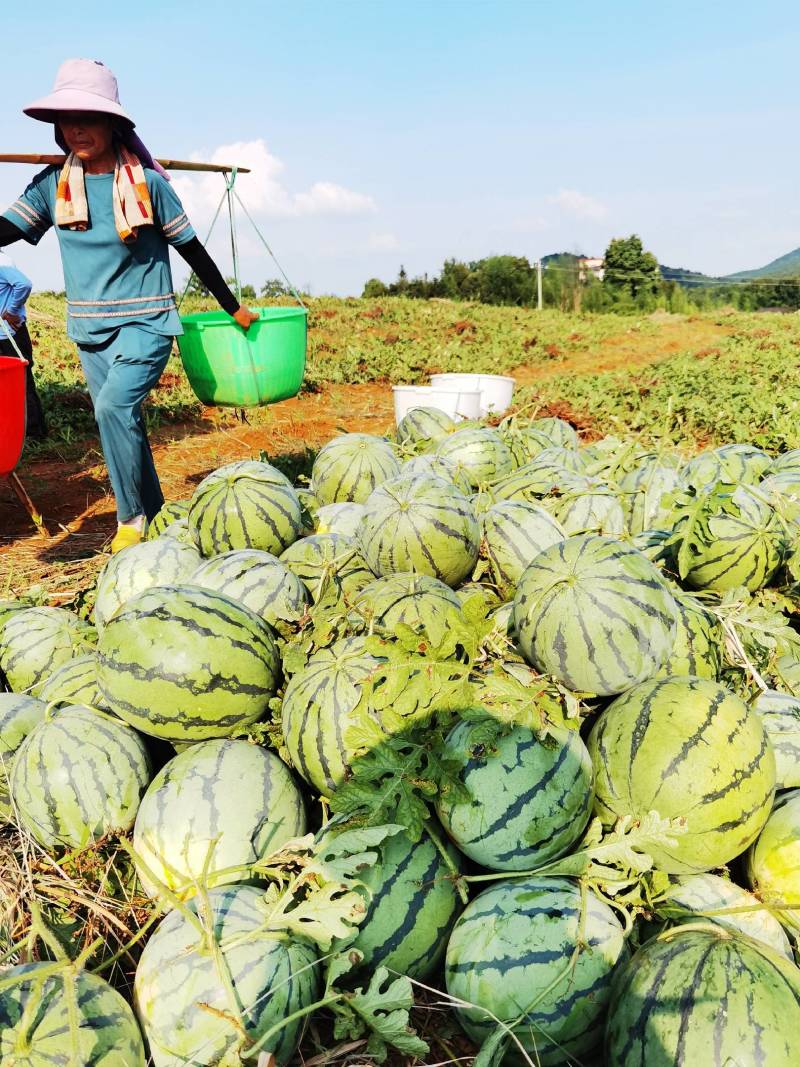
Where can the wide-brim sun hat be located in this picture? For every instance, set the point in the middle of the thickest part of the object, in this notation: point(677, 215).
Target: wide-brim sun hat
point(80, 85)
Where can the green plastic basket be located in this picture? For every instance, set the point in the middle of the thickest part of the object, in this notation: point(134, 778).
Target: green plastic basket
point(230, 367)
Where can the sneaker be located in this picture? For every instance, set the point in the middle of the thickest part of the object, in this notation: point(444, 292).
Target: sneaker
point(125, 537)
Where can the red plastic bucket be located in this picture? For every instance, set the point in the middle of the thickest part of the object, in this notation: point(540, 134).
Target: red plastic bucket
point(12, 412)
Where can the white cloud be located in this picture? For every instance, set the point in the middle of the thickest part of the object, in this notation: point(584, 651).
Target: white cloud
point(579, 206)
point(382, 242)
point(263, 190)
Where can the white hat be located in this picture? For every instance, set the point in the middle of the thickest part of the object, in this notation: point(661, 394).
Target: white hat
point(80, 85)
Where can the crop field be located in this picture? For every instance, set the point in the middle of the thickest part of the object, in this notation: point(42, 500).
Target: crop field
point(420, 745)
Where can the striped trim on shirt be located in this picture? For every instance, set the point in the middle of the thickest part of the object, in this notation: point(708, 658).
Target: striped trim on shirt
point(29, 215)
point(117, 309)
point(175, 226)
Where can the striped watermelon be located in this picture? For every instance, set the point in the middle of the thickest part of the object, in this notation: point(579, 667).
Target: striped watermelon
point(645, 489)
point(786, 670)
point(322, 700)
point(260, 582)
point(348, 468)
point(424, 604)
point(513, 532)
point(340, 518)
point(773, 863)
point(782, 491)
point(591, 508)
point(485, 594)
point(732, 538)
point(534, 948)
point(309, 506)
point(786, 461)
point(537, 479)
point(424, 525)
point(18, 716)
point(558, 431)
point(530, 799)
point(596, 614)
point(412, 906)
point(422, 427)
point(718, 900)
point(688, 749)
point(450, 470)
point(654, 544)
point(74, 682)
point(330, 566)
point(481, 453)
point(218, 806)
point(178, 531)
point(780, 714)
point(65, 1019)
point(183, 1004)
point(245, 505)
point(186, 664)
point(169, 514)
point(163, 562)
point(524, 441)
point(704, 997)
point(738, 464)
point(78, 775)
point(698, 641)
point(36, 641)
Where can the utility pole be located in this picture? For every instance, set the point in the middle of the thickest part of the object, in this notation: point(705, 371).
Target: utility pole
point(539, 284)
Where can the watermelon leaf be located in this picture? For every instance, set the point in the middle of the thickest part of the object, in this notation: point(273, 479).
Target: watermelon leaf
point(342, 855)
point(329, 913)
point(381, 1011)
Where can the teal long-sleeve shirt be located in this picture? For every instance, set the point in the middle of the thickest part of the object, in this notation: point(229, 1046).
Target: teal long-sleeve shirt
point(15, 288)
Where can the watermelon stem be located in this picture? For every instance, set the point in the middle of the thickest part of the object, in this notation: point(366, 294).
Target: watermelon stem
point(458, 882)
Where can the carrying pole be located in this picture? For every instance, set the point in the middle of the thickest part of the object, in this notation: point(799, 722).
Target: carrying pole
point(167, 164)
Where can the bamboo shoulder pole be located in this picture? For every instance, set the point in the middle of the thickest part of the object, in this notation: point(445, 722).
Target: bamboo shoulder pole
point(167, 164)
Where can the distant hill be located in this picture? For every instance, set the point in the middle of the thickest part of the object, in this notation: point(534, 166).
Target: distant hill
point(787, 266)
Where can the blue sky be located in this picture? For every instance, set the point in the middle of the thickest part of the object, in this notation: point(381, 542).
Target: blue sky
point(384, 133)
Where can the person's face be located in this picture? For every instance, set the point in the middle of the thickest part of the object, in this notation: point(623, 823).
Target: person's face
point(87, 133)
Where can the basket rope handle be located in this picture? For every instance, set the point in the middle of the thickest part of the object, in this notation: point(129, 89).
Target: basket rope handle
point(10, 336)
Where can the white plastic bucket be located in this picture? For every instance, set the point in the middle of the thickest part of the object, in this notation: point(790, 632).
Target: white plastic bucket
point(455, 402)
point(496, 389)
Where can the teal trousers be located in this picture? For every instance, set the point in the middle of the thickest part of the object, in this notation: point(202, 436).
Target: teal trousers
point(121, 372)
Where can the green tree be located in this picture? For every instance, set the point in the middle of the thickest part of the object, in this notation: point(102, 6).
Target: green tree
point(629, 269)
point(374, 288)
point(273, 287)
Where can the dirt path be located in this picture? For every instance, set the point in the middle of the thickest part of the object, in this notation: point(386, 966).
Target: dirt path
point(79, 509)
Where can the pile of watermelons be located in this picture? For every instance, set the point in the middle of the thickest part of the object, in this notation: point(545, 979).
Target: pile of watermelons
point(485, 718)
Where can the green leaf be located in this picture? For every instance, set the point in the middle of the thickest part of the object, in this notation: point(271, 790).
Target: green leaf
point(381, 1011)
point(329, 913)
point(341, 855)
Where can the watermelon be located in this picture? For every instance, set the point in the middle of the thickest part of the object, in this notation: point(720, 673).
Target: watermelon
point(698, 641)
point(687, 749)
point(309, 506)
point(786, 461)
point(321, 701)
point(645, 489)
point(523, 440)
point(340, 518)
point(218, 806)
point(424, 525)
point(718, 900)
point(186, 664)
point(782, 491)
point(330, 566)
point(65, 1019)
point(704, 996)
point(513, 532)
point(529, 798)
point(654, 544)
point(422, 427)
point(449, 469)
point(780, 714)
point(537, 479)
point(74, 682)
point(260, 582)
point(18, 716)
point(169, 514)
point(590, 508)
point(773, 863)
point(558, 431)
point(477, 591)
point(481, 453)
point(726, 538)
point(534, 948)
point(348, 468)
point(184, 1006)
point(422, 603)
point(737, 464)
point(412, 905)
point(245, 505)
point(36, 641)
point(595, 613)
point(163, 562)
point(178, 531)
point(78, 775)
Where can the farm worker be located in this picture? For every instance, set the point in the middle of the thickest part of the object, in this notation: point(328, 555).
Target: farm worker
point(15, 288)
point(115, 215)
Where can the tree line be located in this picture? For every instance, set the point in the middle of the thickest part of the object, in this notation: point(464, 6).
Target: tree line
point(632, 281)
